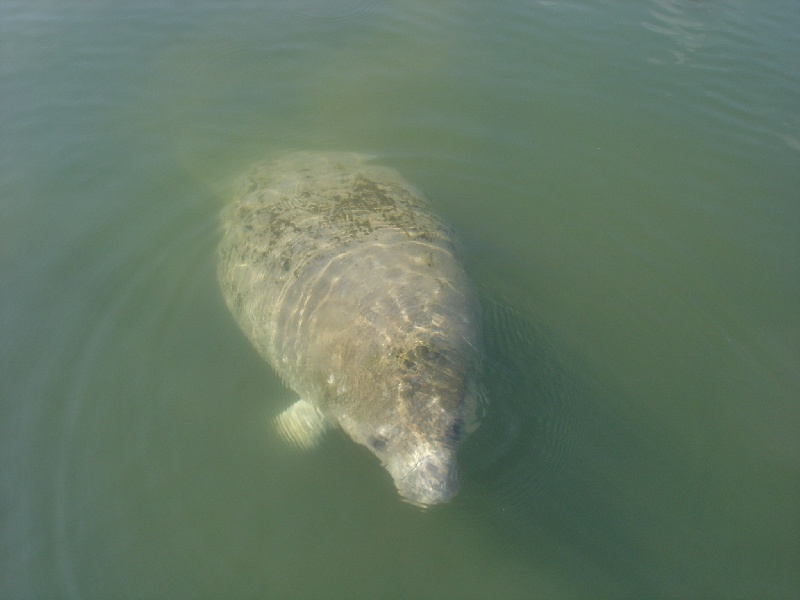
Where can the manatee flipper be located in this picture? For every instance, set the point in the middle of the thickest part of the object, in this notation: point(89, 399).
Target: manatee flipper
point(301, 424)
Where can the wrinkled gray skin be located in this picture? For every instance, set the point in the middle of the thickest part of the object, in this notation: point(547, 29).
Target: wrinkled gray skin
point(348, 285)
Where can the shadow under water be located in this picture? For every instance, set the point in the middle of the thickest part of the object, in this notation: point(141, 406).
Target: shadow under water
point(554, 471)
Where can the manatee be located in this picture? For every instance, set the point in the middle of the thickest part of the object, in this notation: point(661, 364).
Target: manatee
point(351, 289)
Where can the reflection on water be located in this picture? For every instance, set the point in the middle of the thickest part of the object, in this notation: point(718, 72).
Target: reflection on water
point(683, 22)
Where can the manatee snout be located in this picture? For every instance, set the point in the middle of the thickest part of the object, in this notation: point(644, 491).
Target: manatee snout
point(432, 480)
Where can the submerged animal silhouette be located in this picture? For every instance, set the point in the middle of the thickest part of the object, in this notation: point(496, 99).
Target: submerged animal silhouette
point(350, 287)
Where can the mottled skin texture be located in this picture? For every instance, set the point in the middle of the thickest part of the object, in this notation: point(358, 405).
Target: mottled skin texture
point(350, 288)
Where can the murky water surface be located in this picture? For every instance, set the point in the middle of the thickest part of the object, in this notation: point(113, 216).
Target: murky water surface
point(625, 178)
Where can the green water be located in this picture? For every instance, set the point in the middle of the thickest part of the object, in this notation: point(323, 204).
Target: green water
point(625, 178)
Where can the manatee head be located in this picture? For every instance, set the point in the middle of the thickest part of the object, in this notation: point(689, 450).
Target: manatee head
point(422, 402)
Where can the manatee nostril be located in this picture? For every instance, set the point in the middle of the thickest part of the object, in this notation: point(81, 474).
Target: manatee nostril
point(432, 469)
point(378, 443)
point(455, 431)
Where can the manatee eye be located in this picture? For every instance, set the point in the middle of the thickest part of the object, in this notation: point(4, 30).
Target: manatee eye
point(456, 430)
point(378, 442)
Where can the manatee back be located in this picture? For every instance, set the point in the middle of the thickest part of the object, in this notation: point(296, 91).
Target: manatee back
point(292, 219)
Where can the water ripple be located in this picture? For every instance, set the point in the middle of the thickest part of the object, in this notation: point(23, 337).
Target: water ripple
point(332, 13)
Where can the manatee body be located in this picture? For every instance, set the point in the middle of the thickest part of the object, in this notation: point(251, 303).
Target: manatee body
point(350, 287)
